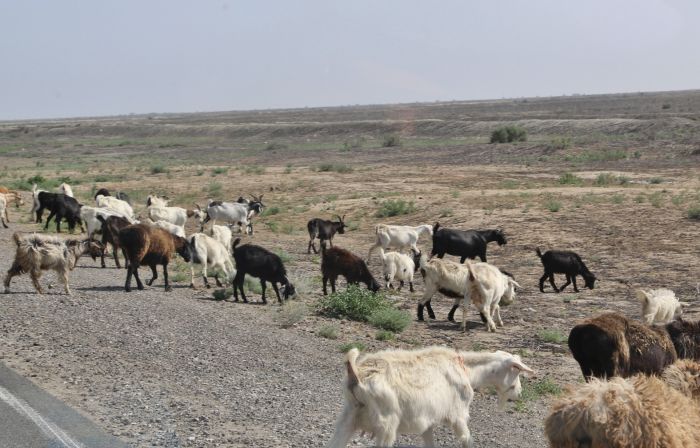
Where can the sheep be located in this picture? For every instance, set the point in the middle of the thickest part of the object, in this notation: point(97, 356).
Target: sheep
point(398, 237)
point(263, 264)
point(659, 306)
point(223, 235)
point(147, 245)
point(396, 392)
point(210, 254)
point(612, 345)
point(172, 228)
point(110, 227)
point(464, 243)
point(64, 188)
point(3, 211)
point(117, 205)
point(641, 412)
point(336, 261)
point(564, 262)
point(443, 275)
point(174, 215)
point(489, 288)
point(324, 230)
point(60, 206)
point(400, 267)
point(36, 253)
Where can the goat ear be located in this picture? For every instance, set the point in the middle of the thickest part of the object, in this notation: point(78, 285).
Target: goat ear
point(518, 364)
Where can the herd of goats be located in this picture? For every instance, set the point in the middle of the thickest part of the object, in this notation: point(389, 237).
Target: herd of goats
point(642, 380)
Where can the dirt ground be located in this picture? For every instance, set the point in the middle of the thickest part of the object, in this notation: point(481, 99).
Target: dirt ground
point(167, 364)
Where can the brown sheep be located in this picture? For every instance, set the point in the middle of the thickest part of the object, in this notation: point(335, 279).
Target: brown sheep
point(151, 246)
point(641, 412)
point(36, 253)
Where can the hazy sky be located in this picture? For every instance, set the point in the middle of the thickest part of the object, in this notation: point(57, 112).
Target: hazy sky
point(99, 57)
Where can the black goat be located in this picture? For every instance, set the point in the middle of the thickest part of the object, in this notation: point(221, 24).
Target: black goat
point(336, 261)
point(464, 243)
point(263, 264)
point(324, 230)
point(120, 195)
point(110, 234)
point(60, 207)
point(564, 262)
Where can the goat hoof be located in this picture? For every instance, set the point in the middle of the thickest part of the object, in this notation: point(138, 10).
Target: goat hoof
point(140, 288)
point(168, 288)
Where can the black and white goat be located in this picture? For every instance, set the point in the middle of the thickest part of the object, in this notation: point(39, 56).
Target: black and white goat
point(263, 264)
point(464, 243)
point(233, 213)
point(564, 262)
point(324, 230)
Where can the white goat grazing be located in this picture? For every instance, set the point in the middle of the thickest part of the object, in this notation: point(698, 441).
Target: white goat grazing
point(174, 215)
point(488, 289)
point(210, 254)
point(4, 217)
point(36, 253)
point(447, 277)
point(222, 234)
point(400, 267)
point(117, 205)
point(64, 188)
point(659, 306)
point(396, 392)
point(398, 237)
point(172, 228)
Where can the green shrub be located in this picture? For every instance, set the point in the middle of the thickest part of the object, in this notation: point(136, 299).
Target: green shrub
point(275, 146)
point(222, 294)
point(291, 313)
point(219, 170)
point(274, 210)
point(694, 212)
point(384, 335)
point(534, 390)
point(553, 206)
point(570, 179)
point(509, 134)
point(390, 319)
point(391, 140)
point(604, 179)
point(355, 303)
point(396, 207)
point(215, 188)
point(338, 168)
point(353, 143)
point(655, 180)
point(328, 332)
point(284, 256)
point(350, 345)
point(158, 169)
point(559, 143)
point(552, 336)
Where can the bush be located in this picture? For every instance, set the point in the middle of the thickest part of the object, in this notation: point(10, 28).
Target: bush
point(158, 169)
point(390, 319)
point(570, 179)
point(223, 294)
point(353, 143)
point(509, 134)
point(694, 212)
point(655, 180)
point(393, 207)
point(552, 336)
point(355, 303)
point(604, 179)
point(553, 206)
point(328, 332)
point(384, 335)
point(338, 168)
point(218, 170)
point(559, 143)
point(350, 345)
point(390, 141)
point(275, 146)
point(291, 313)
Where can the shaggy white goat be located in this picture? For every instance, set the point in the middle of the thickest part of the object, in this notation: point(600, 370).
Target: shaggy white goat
point(155, 201)
point(89, 216)
point(221, 234)
point(116, 205)
point(398, 237)
point(233, 213)
point(445, 276)
point(35, 201)
point(3, 211)
point(488, 289)
point(210, 254)
point(172, 228)
point(400, 267)
point(659, 306)
point(37, 252)
point(64, 188)
point(396, 392)
point(174, 215)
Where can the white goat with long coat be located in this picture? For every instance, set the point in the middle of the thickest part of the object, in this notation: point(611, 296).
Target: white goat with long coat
point(447, 277)
point(398, 237)
point(233, 213)
point(117, 205)
point(398, 266)
point(489, 288)
point(659, 306)
point(221, 234)
point(396, 392)
point(210, 254)
point(64, 188)
point(174, 215)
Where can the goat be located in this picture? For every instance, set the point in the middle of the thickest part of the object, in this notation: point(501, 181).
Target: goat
point(12, 196)
point(151, 246)
point(233, 213)
point(60, 207)
point(686, 338)
point(443, 276)
point(174, 215)
point(336, 261)
point(464, 243)
point(172, 228)
point(641, 412)
point(263, 264)
point(210, 254)
point(111, 226)
point(490, 287)
point(89, 216)
point(4, 217)
point(659, 306)
point(396, 392)
point(117, 205)
point(257, 204)
point(223, 235)
point(324, 230)
point(398, 237)
point(36, 253)
point(64, 188)
point(35, 202)
point(155, 201)
point(612, 345)
point(120, 195)
point(564, 262)
point(400, 267)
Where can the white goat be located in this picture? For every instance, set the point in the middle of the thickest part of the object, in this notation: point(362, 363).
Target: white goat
point(400, 267)
point(488, 289)
point(117, 205)
point(36, 253)
point(659, 306)
point(398, 237)
point(4, 217)
point(155, 201)
point(222, 234)
point(64, 188)
point(233, 213)
point(210, 254)
point(174, 215)
point(89, 216)
point(413, 391)
point(172, 228)
point(35, 201)
point(447, 277)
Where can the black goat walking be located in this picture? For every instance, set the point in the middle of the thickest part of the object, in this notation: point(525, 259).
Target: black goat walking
point(263, 264)
point(464, 243)
point(564, 262)
point(324, 230)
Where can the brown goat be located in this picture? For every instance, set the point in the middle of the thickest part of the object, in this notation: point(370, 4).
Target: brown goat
point(36, 253)
point(686, 338)
point(151, 246)
point(336, 261)
point(110, 234)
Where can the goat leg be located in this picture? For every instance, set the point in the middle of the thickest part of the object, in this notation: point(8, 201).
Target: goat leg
point(542, 279)
point(325, 281)
point(551, 281)
point(277, 291)
point(568, 282)
point(168, 288)
point(155, 275)
point(573, 279)
point(135, 270)
point(451, 314)
point(36, 275)
point(263, 285)
point(430, 310)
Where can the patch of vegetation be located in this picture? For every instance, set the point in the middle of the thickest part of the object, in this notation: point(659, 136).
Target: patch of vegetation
point(617, 199)
point(391, 140)
point(273, 146)
point(509, 184)
point(604, 179)
point(291, 313)
point(656, 199)
point(157, 169)
point(338, 168)
point(273, 226)
point(552, 205)
point(354, 303)
point(252, 285)
point(38, 179)
point(384, 335)
point(180, 277)
point(328, 332)
point(559, 143)
point(222, 294)
point(288, 169)
point(284, 256)
point(570, 179)
point(656, 180)
point(254, 170)
point(607, 155)
point(215, 188)
point(270, 211)
point(353, 143)
point(219, 170)
point(350, 345)
point(552, 336)
point(694, 212)
point(534, 390)
point(509, 134)
point(390, 319)
point(396, 207)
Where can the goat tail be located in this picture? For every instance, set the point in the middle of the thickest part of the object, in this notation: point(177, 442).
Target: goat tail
point(642, 296)
point(436, 226)
point(351, 367)
point(17, 237)
point(235, 243)
point(538, 252)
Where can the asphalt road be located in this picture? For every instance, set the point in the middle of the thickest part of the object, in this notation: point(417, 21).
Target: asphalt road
point(31, 418)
